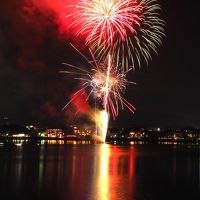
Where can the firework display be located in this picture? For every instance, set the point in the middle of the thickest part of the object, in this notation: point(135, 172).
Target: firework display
point(128, 29)
point(104, 20)
point(119, 34)
point(105, 83)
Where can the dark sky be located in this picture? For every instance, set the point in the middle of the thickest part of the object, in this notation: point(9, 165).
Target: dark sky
point(34, 43)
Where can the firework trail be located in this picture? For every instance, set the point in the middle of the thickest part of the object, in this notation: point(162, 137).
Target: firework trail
point(128, 29)
point(107, 82)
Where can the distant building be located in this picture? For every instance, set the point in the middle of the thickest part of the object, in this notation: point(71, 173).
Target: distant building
point(54, 133)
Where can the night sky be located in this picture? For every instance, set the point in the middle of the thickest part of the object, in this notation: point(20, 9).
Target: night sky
point(34, 42)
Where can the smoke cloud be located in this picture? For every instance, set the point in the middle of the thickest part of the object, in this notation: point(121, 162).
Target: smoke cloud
point(34, 41)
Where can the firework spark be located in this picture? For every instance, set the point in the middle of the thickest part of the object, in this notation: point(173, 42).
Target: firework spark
point(102, 20)
point(144, 41)
point(128, 29)
point(105, 83)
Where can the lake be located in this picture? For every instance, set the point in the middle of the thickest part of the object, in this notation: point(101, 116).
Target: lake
point(60, 171)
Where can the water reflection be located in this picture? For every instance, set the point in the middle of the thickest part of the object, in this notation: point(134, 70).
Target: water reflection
point(103, 181)
point(20, 142)
point(99, 172)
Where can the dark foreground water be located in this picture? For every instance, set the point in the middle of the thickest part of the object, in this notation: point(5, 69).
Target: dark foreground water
point(99, 172)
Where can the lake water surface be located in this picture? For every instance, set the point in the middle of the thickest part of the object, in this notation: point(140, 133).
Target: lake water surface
point(99, 172)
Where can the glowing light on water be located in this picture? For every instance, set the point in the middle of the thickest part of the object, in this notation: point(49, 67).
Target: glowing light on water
point(103, 180)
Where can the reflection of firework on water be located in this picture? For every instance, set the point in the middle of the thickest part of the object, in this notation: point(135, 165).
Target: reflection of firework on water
point(129, 29)
point(105, 82)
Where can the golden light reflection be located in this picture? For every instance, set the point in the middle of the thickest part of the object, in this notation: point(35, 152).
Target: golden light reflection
point(116, 172)
point(103, 180)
